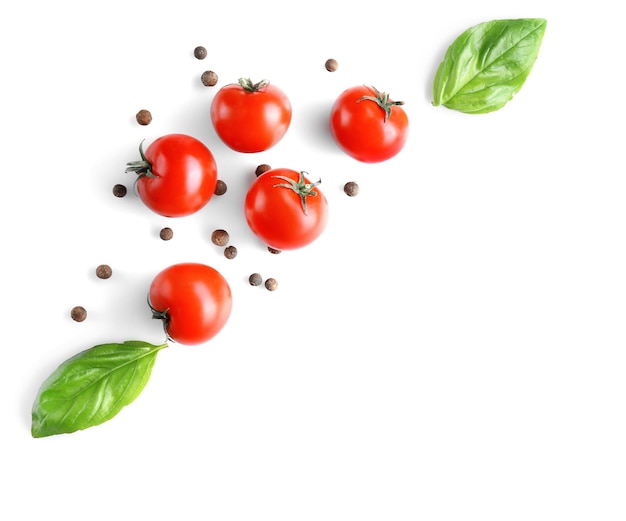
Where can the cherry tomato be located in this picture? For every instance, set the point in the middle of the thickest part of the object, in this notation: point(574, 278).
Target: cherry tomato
point(250, 117)
point(367, 125)
point(177, 175)
point(193, 300)
point(285, 210)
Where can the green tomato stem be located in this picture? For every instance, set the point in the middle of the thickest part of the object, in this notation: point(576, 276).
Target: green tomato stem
point(382, 100)
point(300, 187)
point(164, 316)
point(248, 86)
point(143, 167)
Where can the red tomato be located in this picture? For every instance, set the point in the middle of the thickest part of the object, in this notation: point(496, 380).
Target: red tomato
point(285, 210)
point(367, 125)
point(193, 300)
point(250, 117)
point(177, 175)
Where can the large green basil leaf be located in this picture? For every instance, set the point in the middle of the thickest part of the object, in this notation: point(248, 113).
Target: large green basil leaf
point(92, 387)
point(488, 64)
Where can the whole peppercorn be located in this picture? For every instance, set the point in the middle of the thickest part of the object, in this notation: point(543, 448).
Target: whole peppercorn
point(331, 65)
point(208, 78)
point(220, 187)
point(351, 188)
point(104, 271)
point(271, 284)
point(119, 190)
point(144, 117)
point(220, 237)
point(200, 52)
point(230, 252)
point(166, 233)
point(274, 251)
point(255, 279)
point(78, 313)
point(261, 169)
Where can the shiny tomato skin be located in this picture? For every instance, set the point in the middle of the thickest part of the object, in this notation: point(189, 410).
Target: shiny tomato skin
point(360, 130)
point(196, 300)
point(275, 214)
point(185, 176)
point(250, 121)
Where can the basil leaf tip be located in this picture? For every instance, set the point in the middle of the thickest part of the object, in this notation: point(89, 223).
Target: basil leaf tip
point(488, 64)
point(92, 387)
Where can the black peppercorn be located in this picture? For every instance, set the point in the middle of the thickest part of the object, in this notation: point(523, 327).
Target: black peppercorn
point(230, 252)
point(166, 234)
point(273, 250)
point(220, 237)
point(255, 279)
point(220, 187)
point(104, 271)
point(200, 52)
point(208, 78)
point(119, 190)
point(271, 284)
point(351, 188)
point(144, 117)
point(331, 65)
point(78, 313)
point(262, 169)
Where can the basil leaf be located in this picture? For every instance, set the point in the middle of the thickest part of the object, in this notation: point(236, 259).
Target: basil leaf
point(92, 387)
point(488, 64)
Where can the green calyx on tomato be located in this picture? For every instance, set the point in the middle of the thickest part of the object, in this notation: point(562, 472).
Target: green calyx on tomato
point(143, 167)
point(300, 187)
point(163, 316)
point(248, 86)
point(382, 100)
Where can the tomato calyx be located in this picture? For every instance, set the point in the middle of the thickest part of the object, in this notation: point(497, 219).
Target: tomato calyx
point(300, 187)
point(143, 167)
point(382, 100)
point(164, 316)
point(247, 85)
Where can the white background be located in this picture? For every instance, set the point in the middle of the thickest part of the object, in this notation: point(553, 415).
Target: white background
point(452, 348)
